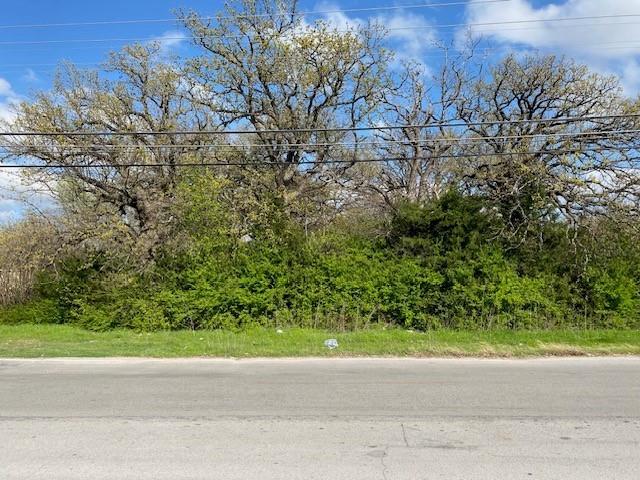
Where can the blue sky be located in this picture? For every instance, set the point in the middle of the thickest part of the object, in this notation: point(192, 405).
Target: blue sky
point(26, 78)
point(26, 68)
point(35, 75)
point(609, 45)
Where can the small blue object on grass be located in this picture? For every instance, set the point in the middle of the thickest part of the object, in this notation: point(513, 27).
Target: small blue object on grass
point(331, 343)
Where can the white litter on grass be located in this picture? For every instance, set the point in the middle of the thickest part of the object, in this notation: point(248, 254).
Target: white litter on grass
point(331, 343)
point(279, 331)
point(246, 238)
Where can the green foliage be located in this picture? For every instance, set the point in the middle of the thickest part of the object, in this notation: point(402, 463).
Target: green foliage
point(615, 296)
point(41, 310)
point(439, 268)
point(37, 341)
point(454, 222)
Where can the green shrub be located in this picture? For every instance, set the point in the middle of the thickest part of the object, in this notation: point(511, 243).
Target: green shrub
point(91, 316)
point(441, 266)
point(41, 310)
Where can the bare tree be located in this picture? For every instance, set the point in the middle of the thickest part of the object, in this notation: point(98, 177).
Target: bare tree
point(418, 170)
point(535, 165)
point(92, 174)
point(26, 249)
point(264, 69)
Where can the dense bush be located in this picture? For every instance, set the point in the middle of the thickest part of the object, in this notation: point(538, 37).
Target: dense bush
point(440, 266)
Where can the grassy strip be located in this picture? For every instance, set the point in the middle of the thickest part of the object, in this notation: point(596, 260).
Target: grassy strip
point(28, 341)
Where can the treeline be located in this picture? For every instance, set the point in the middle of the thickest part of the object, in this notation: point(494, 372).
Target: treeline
point(244, 185)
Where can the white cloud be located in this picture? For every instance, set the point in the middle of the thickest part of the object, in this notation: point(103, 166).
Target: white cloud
point(18, 195)
point(413, 42)
point(6, 112)
point(170, 40)
point(8, 99)
point(602, 37)
point(409, 43)
point(630, 75)
point(608, 44)
point(30, 76)
point(5, 89)
point(10, 207)
point(339, 19)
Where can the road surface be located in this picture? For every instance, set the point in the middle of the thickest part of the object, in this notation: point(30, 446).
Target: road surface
point(320, 419)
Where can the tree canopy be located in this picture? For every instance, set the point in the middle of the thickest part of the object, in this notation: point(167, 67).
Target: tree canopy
point(288, 167)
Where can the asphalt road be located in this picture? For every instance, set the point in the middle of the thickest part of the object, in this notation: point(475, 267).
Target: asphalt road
point(320, 419)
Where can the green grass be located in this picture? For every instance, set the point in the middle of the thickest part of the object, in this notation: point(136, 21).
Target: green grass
point(29, 341)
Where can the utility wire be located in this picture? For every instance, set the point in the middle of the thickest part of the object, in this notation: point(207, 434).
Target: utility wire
point(382, 143)
point(411, 27)
point(265, 15)
point(448, 123)
point(300, 163)
point(620, 45)
point(478, 31)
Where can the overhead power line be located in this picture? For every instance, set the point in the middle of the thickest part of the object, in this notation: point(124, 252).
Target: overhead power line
point(300, 163)
point(618, 45)
point(33, 65)
point(283, 14)
point(381, 143)
point(391, 29)
point(448, 123)
point(575, 46)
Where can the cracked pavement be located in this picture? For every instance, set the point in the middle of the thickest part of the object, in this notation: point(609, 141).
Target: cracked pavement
point(320, 419)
